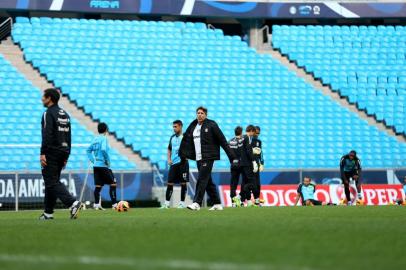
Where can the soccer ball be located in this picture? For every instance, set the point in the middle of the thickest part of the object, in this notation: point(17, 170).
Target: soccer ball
point(122, 206)
point(343, 202)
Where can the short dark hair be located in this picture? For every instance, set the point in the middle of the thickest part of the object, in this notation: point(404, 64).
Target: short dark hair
point(53, 94)
point(204, 109)
point(353, 152)
point(307, 177)
point(250, 128)
point(238, 131)
point(177, 122)
point(257, 128)
point(102, 128)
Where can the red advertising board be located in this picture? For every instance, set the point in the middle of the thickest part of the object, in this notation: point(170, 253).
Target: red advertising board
point(284, 195)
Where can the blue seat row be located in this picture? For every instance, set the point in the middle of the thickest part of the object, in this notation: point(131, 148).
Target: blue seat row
point(139, 83)
point(20, 127)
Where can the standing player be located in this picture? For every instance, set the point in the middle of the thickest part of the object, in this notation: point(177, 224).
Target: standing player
point(98, 154)
point(241, 147)
point(235, 144)
point(257, 149)
point(251, 168)
point(201, 142)
point(179, 168)
point(55, 151)
point(350, 168)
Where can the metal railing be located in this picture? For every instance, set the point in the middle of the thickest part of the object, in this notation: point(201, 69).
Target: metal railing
point(265, 34)
point(210, 26)
point(5, 28)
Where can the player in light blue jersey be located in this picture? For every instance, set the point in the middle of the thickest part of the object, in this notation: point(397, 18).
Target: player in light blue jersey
point(98, 154)
point(306, 192)
point(179, 168)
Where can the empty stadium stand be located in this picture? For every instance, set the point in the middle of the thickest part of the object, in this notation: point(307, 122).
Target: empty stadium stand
point(20, 127)
point(366, 64)
point(139, 76)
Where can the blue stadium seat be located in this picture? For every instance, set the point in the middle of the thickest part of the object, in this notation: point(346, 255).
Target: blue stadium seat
point(139, 76)
point(20, 133)
point(376, 54)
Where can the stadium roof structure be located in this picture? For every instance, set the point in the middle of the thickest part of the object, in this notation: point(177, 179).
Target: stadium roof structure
point(279, 9)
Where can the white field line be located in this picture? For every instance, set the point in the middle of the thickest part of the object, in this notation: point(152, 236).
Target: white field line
point(138, 263)
point(29, 145)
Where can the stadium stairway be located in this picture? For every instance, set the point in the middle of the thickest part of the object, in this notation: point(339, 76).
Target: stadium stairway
point(326, 89)
point(14, 55)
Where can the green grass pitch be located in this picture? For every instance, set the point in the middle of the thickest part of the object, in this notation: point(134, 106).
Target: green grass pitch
point(255, 238)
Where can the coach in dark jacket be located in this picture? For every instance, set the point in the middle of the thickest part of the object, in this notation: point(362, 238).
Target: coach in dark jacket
point(201, 142)
point(55, 150)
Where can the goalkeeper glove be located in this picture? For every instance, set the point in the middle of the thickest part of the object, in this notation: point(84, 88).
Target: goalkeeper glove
point(256, 151)
point(235, 163)
point(255, 166)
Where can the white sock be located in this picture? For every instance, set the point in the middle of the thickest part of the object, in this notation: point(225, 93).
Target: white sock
point(48, 215)
point(167, 203)
point(74, 203)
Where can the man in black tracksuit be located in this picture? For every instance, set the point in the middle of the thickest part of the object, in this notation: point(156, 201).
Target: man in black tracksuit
point(350, 168)
point(241, 146)
point(235, 144)
point(201, 142)
point(256, 144)
point(55, 150)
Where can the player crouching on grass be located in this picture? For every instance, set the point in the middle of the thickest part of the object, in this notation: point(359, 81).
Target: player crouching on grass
point(402, 200)
point(350, 168)
point(179, 168)
point(98, 154)
point(305, 192)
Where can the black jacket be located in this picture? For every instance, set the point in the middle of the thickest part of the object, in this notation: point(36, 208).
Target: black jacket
point(257, 143)
point(242, 149)
point(211, 138)
point(56, 131)
point(351, 166)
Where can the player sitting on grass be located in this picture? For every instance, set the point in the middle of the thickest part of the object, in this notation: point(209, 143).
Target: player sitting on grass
point(179, 168)
point(305, 191)
point(350, 168)
point(98, 154)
